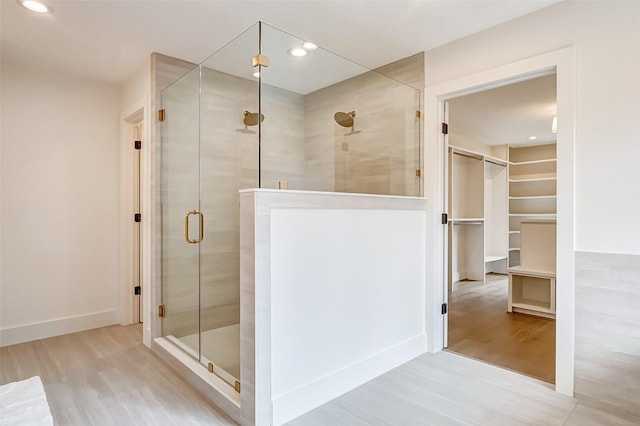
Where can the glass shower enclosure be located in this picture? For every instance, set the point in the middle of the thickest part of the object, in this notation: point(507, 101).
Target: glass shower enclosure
point(268, 110)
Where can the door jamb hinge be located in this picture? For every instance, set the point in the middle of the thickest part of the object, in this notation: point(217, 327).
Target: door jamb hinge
point(161, 310)
point(161, 114)
point(445, 218)
point(445, 129)
point(443, 309)
point(137, 144)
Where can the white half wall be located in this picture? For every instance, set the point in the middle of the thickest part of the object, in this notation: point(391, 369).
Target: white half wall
point(339, 294)
point(60, 198)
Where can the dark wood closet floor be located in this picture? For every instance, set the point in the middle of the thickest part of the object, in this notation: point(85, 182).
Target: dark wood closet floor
point(481, 328)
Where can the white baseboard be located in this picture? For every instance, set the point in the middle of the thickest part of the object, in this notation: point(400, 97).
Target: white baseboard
point(57, 327)
point(288, 406)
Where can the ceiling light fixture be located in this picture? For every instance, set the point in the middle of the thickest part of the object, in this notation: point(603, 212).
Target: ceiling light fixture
point(533, 138)
point(256, 74)
point(309, 46)
point(35, 6)
point(554, 124)
point(297, 51)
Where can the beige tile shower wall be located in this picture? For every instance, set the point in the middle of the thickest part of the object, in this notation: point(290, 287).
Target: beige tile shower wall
point(283, 148)
point(381, 155)
point(608, 330)
point(409, 70)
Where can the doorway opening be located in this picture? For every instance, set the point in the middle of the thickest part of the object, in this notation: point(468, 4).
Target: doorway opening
point(500, 244)
point(132, 140)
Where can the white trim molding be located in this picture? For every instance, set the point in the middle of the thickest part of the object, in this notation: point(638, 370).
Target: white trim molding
point(57, 327)
point(562, 63)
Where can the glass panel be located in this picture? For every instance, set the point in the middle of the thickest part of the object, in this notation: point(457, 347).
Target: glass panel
point(318, 122)
point(228, 163)
point(333, 125)
point(180, 184)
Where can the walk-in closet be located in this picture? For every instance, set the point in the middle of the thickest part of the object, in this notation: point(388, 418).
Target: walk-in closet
point(500, 187)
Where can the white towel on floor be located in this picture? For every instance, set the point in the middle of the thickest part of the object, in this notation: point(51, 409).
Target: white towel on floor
point(24, 403)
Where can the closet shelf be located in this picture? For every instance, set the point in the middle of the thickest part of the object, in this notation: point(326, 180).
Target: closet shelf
point(514, 248)
point(514, 231)
point(533, 305)
point(493, 258)
point(533, 215)
point(535, 179)
point(522, 163)
point(532, 197)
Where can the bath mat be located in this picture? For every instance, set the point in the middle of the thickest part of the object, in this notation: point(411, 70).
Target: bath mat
point(24, 403)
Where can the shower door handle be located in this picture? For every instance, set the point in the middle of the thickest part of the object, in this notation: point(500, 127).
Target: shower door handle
point(186, 227)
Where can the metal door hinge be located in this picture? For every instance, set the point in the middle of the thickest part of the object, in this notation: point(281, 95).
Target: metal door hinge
point(210, 367)
point(418, 173)
point(445, 129)
point(237, 386)
point(418, 113)
point(161, 114)
point(444, 308)
point(137, 144)
point(137, 217)
point(161, 310)
point(137, 290)
point(445, 218)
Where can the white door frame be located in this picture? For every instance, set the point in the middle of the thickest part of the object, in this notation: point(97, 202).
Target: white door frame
point(136, 112)
point(562, 62)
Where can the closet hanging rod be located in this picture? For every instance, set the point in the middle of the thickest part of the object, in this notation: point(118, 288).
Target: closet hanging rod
point(495, 162)
point(464, 154)
point(477, 155)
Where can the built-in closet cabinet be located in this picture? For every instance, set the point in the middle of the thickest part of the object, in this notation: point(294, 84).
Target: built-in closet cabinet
point(477, 225)
point(532, 190)
point(532, 230)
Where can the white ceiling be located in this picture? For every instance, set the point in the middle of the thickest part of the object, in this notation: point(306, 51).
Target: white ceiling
point(110, 39)
point(508, 114)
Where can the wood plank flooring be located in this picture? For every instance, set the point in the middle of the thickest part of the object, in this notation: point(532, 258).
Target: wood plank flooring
point(481, 328)
point(447, 389)
point(107, 377)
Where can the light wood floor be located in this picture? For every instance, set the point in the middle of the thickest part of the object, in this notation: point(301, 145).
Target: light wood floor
point(107, 377)
point(481, 328)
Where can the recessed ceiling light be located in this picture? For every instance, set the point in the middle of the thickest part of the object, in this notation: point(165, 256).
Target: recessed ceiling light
point(256, 74)
point(309, 46)
point(35, 6)
point(297, 51)
point(533, 138)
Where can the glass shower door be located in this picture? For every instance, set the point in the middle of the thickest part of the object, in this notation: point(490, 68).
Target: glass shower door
point(209, 152)
point(228, 162)
point(181, 218)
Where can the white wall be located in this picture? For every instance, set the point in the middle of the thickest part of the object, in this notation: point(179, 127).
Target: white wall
point(607, 46)
point(137, 86)
point(60, 177)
